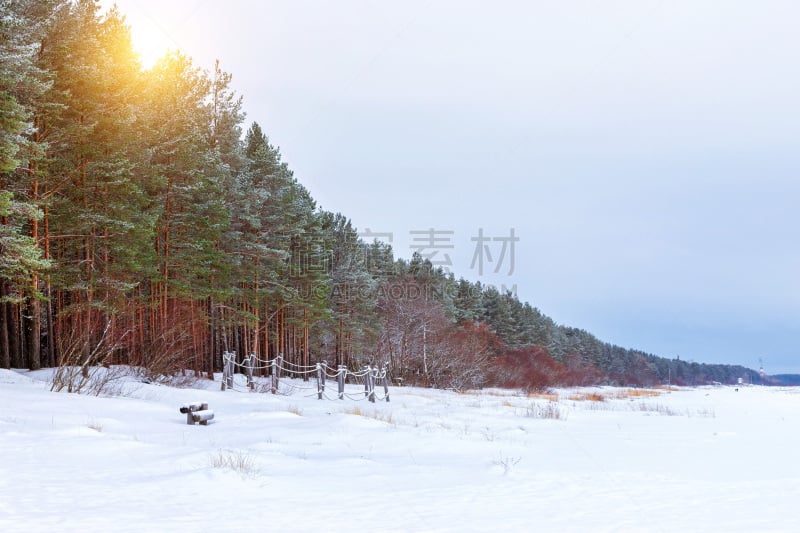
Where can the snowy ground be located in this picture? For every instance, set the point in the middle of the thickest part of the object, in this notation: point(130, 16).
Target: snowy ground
point(706, 459)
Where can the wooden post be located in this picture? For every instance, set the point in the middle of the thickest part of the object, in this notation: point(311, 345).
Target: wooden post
point(340, 380)
point(386, 380)
point(275, 375)
point(319, 381)
point(224, 383)
point(366, 381)
point(225, 370)
point(231, 355)
point(249, 364)
point(371, 375)
point(324, 374)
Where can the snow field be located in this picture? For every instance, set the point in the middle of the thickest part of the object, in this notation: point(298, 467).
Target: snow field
point(682, 460)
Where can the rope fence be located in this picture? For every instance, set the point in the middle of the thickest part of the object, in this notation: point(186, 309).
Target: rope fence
point(372, 377)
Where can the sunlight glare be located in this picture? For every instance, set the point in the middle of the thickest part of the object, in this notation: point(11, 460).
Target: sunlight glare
point(151, 42)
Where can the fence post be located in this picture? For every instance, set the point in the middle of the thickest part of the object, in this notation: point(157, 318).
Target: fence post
point(366, 381)
point(275, 375)
point(386, 380)
point(224, 384)
point(319, 381)
point(340, 375)
point(324, 374)
point(227, 380)
point(249, 364)
point(231, 356)
point(372, 373)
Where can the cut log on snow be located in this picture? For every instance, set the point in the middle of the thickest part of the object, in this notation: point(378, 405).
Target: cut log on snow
point(197, 412)
point(202, 417)
point(194, 406)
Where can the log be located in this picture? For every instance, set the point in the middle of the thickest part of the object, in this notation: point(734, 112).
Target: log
point(194, 406)
point(191, 410)
point(202, 416)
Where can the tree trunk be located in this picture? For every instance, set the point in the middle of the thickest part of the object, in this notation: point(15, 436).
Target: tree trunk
point(34, 305)
point(51, 337)
point(5, 352)
point(33, 329)
point(14, 341)
point(211, 339)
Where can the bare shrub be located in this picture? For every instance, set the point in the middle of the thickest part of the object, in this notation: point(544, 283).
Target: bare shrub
point(657, 408)
point(424, 348)
point(530, 368)
point(507, 463)
point(187, 381)
point(85, 368)
point(460, 356)
point(534, 368)
point(170, 354)
point(549, 410)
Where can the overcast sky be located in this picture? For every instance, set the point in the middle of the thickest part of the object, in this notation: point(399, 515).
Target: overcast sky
point(644, 153)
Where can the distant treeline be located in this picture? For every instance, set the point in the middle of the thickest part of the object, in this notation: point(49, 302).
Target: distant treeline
point(785, 380)
point(140, 225)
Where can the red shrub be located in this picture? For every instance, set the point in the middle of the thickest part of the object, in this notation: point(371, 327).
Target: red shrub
point(532, 368)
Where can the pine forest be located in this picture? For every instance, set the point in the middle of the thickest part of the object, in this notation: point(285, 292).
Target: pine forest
point(143, 222)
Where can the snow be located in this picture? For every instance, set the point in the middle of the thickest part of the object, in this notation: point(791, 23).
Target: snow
point(713, 458)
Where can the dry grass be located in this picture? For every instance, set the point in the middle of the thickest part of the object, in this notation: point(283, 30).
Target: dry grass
point(497, 393)
point(375, 415)
point(549, 410)
point(240, 462)
point(588, 397)
point(95, 425)
point(295, 409)
point(636, 393)
point(657, 408)
point(619, 394)
point(549, 396)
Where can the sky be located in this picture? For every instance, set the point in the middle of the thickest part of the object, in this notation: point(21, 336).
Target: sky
point(627, 167)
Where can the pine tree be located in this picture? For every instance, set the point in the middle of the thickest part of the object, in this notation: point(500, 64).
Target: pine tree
point(20, 263)
point(189, 200)
point(96, 225)
point(352, 290)
point(23, 28)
